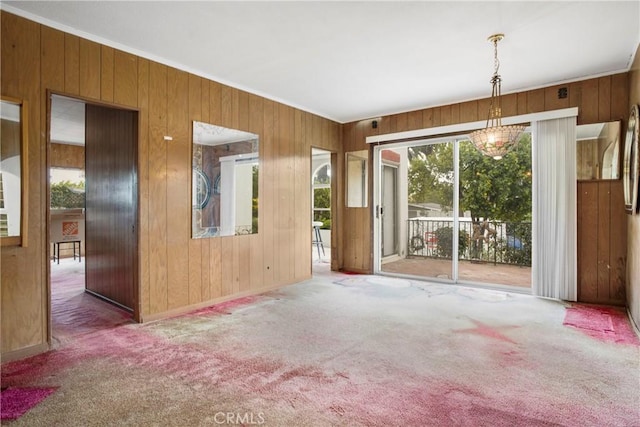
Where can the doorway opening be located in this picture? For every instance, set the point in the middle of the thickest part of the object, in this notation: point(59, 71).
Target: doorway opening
point(321, 209)
point(92, 217)
point(448, 213)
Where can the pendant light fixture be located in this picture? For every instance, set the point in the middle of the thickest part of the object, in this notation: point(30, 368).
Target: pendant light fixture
point(496, 140)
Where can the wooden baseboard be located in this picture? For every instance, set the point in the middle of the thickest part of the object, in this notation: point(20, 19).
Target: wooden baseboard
point(24, 352)
point(189, 308)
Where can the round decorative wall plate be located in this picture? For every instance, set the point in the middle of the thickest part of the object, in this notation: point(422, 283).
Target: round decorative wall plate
point(201, 188)
point(630, 172)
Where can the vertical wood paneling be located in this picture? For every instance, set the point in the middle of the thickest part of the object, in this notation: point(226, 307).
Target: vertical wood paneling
point(243, 111)
point(604, 99)
point(302, 194)
point(402, 122)
point(267, 194)
point(618, 245)
point(178, 179)
point(71, 64)
point(196, 271)
point(551, 99)
point(575, 96)
point(469, 111)
point(619, 97)
point(125, 79)
point(445, 115)
point(51, 52)
point(414, 121)
point(235, 109)
point(535, 101)
point(587, 241)
point(106, 74)
point(228, 119)
point(523, 104)
point(204, 101)
point(589, 102)
point(215, 256)
point(602, 239)
point(256, 259)
point(205, 264)
point(227, 251)
point(602, 236)
point(90, 66)
point(226, 108)
point(23, 297)
point(66, 156)
point(388, 125)
point(215, 267)
point(509, 107)
point(242, 259)
point(144, 243)
point(158, 299)
point(432, 117)
point(284, 216)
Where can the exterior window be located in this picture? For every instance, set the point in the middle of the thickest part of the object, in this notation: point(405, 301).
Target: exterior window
point(322, 196)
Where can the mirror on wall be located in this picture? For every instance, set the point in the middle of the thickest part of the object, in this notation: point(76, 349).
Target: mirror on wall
point(225, 181)
point(357, 178)
point(598, 151)
point(13, 176)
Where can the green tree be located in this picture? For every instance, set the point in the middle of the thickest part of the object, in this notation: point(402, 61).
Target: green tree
point(430, 175)
point(67, 195)
point(322, 200)
point(490, 189)
point(496, 189)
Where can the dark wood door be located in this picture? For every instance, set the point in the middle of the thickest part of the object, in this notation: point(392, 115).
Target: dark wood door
point(111, 204)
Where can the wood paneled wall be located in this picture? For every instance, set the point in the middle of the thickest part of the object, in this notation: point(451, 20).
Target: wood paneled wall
point(602, 242)
point(175, 270)
point(66, 156)
point(601, 99)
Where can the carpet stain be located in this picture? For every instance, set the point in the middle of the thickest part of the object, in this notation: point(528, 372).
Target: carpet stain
point(485, 330)
point(15, 402)
point(303, 364)
point(606, 324)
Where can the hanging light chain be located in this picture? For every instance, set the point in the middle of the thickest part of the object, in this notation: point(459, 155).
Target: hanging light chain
point(495, 107)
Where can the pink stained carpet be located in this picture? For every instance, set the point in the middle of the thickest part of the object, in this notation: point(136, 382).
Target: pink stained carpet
point(15, 402)
point(607, 324)
point(342, 350)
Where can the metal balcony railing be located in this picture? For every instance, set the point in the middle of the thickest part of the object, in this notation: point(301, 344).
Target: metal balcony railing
point(496, 242)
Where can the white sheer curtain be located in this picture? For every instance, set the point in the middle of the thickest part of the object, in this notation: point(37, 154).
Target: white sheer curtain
point(554, 258)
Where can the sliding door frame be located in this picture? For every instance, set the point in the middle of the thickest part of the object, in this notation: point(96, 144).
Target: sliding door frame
point(377, 201)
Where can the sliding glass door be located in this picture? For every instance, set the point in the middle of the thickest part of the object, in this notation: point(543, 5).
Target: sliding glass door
point(460, 216)
point(495, 216)
point(425, 217)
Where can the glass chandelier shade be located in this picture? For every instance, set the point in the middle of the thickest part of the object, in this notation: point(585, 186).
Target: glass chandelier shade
point(496, 140)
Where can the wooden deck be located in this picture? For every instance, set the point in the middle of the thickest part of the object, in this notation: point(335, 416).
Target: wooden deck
point(499, 274)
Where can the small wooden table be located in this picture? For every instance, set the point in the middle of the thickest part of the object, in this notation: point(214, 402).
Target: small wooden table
point(56, 249)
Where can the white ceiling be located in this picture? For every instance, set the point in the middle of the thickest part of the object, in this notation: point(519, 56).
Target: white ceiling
point(354, 60)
